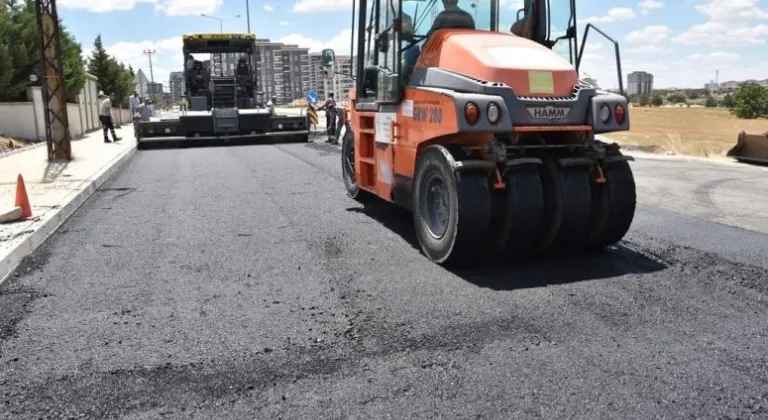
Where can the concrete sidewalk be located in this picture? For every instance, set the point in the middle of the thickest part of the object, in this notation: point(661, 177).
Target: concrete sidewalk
point(55, 189)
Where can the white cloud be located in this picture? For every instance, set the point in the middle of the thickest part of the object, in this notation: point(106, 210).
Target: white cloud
point(169, 7)
point(283, 23)
point(722, 10)
point(617, 14)
point(188, 7)
point(102, 6)
point(716, 57)
point(718, 33)
point(311, 6)
point(647, 5)
point(268, 8)
point(649, 34)
point(512, 4)
point(649, 49)
point(167, 56)
point(339, 43)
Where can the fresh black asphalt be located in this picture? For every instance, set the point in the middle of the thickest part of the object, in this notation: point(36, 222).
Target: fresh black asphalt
point(241, 283)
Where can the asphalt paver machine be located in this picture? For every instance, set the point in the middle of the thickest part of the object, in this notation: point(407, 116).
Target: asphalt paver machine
point(224, 102)
point(486, 134)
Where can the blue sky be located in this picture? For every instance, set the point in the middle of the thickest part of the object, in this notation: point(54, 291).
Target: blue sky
point(682, 42)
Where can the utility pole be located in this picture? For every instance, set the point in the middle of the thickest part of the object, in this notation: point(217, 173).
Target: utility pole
point(57, 135)
point(151, 73)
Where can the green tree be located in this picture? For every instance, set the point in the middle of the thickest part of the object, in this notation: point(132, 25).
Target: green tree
point(750, 101)
point(694, 95)
point(19, 28)
point(728, 101)
point(6, 61)
point(657, 100)
point(677, 98)
point(112, 76)
point(644, 100)
point(99, 65)
point(711, 102)
point(124, 85)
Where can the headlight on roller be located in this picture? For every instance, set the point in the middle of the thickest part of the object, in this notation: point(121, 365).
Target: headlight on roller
point(605, 113)
point(494, 113)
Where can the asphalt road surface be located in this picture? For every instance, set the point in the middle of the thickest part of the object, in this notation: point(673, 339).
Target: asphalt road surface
point(241, 282)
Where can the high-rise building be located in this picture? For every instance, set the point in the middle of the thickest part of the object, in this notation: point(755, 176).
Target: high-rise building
point(282, 70)
point(342, 79)
point(176, 85)
point(639, 83)
point(141, 81)
point(223, 64)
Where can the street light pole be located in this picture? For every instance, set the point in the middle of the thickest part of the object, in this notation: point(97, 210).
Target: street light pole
point(220, 19)
point(248, 15)
point(221, 28)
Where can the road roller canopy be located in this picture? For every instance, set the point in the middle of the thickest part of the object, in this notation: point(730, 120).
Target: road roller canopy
point(548, 22)
point(218, 43)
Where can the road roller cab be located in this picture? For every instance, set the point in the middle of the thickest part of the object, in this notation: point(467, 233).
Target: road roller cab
point(486, 134)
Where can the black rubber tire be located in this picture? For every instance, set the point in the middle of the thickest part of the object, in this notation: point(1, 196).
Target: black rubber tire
point(615, 209)
point(519, 211)
point(469, 210)
point(348, 172)
point(568, 207)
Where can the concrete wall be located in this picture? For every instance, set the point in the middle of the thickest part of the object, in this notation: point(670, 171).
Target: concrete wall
point(25, 120)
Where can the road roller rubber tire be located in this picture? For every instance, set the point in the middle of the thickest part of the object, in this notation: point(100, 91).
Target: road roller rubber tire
point(451, 211)
point(348, 170)
point(568, 207)
point(519, 211)
point(615, 201)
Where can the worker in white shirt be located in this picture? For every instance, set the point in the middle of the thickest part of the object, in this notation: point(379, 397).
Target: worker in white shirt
point(105, 116)
point(134, 101)
point(271, 105)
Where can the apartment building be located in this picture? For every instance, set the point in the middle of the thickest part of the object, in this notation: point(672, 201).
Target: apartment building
point(282, 70)
point(342, 80)
point(176, 86)
point(639, 83)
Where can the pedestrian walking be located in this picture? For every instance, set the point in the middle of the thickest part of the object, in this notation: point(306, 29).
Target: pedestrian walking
point(105, 116)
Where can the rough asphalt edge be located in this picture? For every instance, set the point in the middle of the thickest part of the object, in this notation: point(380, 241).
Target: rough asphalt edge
point(9, 263)
point(720, 160)
point(23, 149)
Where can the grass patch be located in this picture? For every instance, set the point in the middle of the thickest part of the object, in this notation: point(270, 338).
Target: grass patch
point(706, 132)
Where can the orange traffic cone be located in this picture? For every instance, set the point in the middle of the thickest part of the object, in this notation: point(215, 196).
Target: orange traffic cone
point(22, 200)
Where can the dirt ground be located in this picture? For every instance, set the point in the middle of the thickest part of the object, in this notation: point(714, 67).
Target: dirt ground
point(6, 144)
point(705, 132)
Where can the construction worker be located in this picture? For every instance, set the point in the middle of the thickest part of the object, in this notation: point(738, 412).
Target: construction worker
point(329, 106)
point(105, 116)
point(134, 101)
point(452, 17)
point(271, 105)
